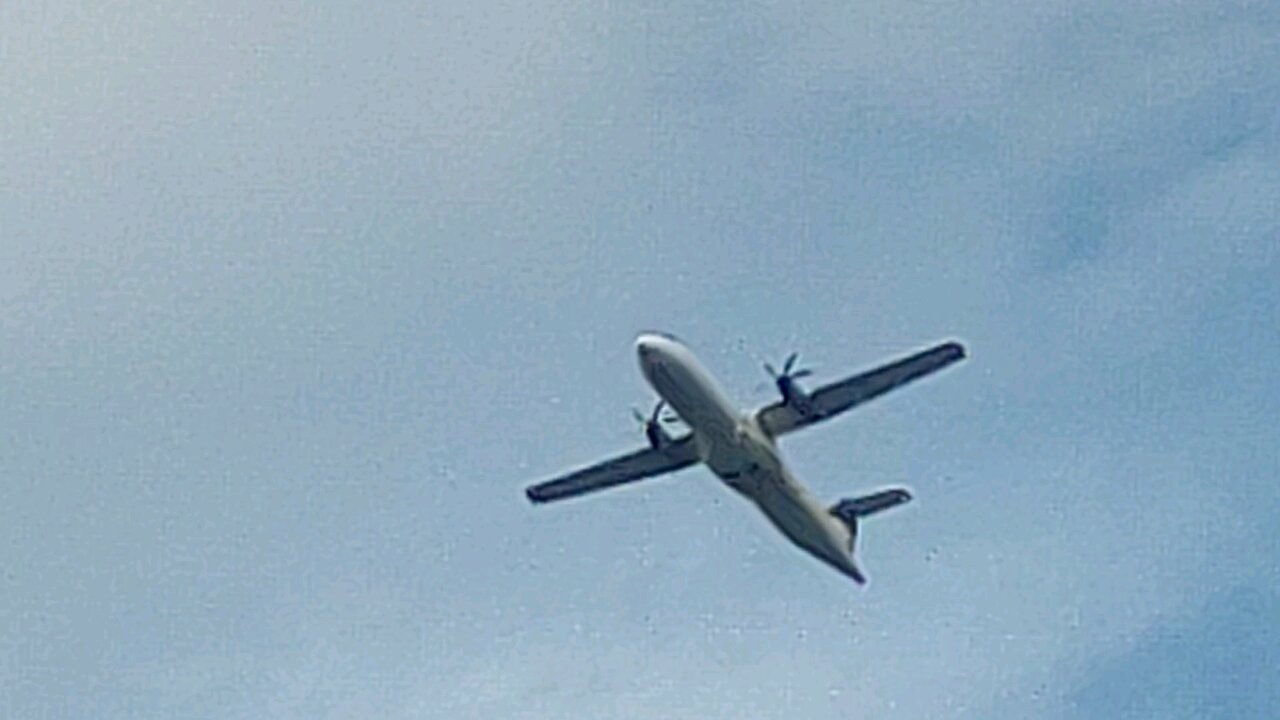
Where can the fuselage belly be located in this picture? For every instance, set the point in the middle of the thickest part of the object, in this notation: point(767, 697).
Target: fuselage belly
point(734, 447)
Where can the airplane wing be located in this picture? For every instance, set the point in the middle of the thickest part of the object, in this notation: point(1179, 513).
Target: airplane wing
point(631, 467)
point(831, 400)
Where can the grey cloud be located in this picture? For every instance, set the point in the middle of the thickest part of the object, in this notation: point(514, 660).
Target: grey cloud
point(1213, 663)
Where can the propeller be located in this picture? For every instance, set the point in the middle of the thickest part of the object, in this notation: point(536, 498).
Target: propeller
point(787, 369)
point(668, 417)
point(641, 418)
point(652, 427)
point(785, 380)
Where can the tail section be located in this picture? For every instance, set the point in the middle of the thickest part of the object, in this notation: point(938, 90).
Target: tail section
point(853, 572)
point(850, 510)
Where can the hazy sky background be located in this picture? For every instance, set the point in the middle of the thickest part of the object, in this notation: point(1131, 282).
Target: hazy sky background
point(295, 300)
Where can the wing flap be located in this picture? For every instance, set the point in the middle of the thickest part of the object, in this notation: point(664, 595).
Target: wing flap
point(831, 400)
point(620, 470)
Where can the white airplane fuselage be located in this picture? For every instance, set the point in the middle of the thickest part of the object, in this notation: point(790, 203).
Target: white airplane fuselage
point(734, 447)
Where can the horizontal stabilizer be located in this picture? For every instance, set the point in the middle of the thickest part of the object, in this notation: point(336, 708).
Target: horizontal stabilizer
point(851, 509)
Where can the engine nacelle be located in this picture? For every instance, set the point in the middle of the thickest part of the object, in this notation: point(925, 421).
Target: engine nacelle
point(794, 396)
point(652, 424)
point(658, 437)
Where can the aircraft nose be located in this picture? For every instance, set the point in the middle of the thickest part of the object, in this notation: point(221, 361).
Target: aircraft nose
point(645, 347)
point(651, 346)
point(655, 346)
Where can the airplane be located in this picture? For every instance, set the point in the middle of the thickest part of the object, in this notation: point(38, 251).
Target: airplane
point(741, 448)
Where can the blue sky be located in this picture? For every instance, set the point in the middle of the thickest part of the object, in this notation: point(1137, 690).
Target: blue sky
point(296, 299)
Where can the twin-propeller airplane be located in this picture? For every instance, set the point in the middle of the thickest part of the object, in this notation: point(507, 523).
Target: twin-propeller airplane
point(741, 448)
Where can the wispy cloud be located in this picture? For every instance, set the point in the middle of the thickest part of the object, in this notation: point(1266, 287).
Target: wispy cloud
point(294, 300)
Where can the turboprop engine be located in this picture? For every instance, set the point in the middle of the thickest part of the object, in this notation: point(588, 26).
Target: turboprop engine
point(790, 390)
point(658, 436)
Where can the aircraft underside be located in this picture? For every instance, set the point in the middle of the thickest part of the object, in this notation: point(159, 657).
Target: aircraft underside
point(741, 449)
point(797, 514)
